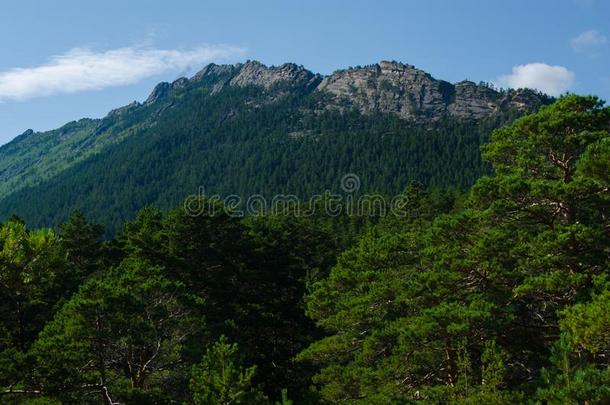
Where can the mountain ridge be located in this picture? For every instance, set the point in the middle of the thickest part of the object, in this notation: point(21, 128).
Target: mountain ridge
point(277, 114)
point(381, 82)
point(255, 73)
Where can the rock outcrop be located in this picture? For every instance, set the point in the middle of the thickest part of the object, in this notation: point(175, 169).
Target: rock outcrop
point(390, 87)
point(216, 70)
point(387, 87)
point(473, 101)
point(163, 89)
point(413, 94)
point(256, 74)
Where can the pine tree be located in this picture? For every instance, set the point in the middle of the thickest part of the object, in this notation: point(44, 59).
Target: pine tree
point(221, 379)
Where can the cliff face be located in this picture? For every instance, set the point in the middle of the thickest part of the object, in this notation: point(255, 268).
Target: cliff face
point(207, 130)
point(390, 87)
point(387, 87)
point(413, 94)
point(257, 74)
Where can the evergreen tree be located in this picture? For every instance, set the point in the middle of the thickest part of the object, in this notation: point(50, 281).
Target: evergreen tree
point(119, 339)
point(409, 311)
point(221, 379)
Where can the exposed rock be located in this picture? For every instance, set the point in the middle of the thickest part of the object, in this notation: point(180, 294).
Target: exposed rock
point(255, 73)
point(524, 99)
point(179, 83)
point(387, 87)
point(214, 69)
point(219, 74)
point(125, 108)
point(160, 91)
point(473, 101)
point(163, 89)
point(390, 87)
point(413, 94)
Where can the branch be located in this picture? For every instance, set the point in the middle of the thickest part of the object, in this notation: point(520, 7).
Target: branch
point(24, 392)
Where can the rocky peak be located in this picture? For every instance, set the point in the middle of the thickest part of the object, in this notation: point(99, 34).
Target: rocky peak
point(27, 133)
point(387, 87)
point(163, 89)
point(251, 73)
point(525, 99)
point(413, 94)
point(256, 74)
point(473, 101)
point(214, 69)
point(398, 69)
point(179, 83)
point(160, 91)
point(390, 87)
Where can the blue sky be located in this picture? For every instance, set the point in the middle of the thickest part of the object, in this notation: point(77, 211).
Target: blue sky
point(65, 59)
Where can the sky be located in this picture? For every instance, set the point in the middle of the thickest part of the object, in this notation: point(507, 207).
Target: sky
point(63, 60)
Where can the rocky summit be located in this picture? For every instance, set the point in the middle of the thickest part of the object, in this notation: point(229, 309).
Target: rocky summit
point(249, 128)
point(413, 94)
point(386, 87)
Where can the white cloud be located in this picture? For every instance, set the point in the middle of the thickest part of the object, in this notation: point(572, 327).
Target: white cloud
point(82, 69)
point(588, 40)
point(552, 80)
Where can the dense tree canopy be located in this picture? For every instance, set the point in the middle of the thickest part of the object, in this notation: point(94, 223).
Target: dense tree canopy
point(428, 312)
point(237, 143)
point(497, 296)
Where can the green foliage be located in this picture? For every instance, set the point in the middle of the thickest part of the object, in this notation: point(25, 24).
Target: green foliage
point(500, 296)
point(33, 274)
point(221, 379)
point(232, 142)
point(571, 379)
point(588, 324)
point(464, 307)
point(118, 333)
point(85, 253)
point(580, 370)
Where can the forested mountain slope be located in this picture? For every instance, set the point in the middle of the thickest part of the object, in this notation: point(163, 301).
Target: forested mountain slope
point(500, 296)
point(247, 128)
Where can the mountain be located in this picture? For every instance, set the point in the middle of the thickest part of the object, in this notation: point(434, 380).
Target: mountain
point(248, 128)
